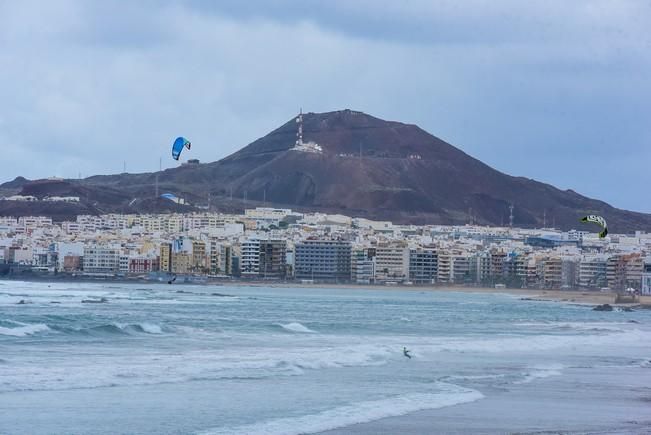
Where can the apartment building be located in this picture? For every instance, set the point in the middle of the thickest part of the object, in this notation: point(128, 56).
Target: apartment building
point(363, 265)
point(101, 260)
point(423, 265)
point(273, 259)
point(323, 260)
point(391, 262)
point(250, 258)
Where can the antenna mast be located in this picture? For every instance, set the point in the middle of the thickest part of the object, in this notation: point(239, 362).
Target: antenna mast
point(299, 134)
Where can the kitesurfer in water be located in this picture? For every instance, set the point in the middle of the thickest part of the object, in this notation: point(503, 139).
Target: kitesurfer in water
point(405, 352)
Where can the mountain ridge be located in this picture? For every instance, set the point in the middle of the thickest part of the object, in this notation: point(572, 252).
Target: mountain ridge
point(366, 166)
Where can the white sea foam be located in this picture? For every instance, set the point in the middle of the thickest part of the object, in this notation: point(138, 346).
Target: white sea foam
point(541, 372)
point(532, 343)
point(579, 326)
point(296, 327)
point(355, 413)
point(151, 328)
point(25, 330)
point(157, 368)
point(473, 377)
point(148, 328)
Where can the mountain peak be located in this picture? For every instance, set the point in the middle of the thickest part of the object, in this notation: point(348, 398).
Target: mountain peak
point(350, 132)
point(15, 183)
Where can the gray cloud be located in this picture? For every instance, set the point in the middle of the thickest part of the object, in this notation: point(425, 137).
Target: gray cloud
point(557, 91)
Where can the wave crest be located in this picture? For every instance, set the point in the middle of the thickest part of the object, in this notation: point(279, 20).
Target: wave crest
point(296, 327)
point(116, 329)
point(24, 330)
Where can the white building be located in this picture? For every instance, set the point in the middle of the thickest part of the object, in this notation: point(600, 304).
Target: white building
point(250, 257)
point(269, 213)
point(20, 198)
point(61, 199)
point(123, 264)
point(101, 260)
point(363, 265)
point(646, 277)
point(30, 223)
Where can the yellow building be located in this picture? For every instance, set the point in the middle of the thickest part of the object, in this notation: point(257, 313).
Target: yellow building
point(166, 257)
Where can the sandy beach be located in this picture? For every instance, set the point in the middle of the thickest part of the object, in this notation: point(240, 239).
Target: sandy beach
point(553, 295)
point(588, 297)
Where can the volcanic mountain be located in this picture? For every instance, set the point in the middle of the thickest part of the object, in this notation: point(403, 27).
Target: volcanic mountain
point(351, 163)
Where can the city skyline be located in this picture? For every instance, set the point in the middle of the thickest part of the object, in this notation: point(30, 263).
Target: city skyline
point(285, 245)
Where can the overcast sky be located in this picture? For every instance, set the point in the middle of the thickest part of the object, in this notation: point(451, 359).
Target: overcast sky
point(558, 91)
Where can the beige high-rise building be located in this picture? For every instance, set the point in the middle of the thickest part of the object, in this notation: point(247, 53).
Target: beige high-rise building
point(199, 259)
point(391, 262)
point(181, 262)
point(166, 257)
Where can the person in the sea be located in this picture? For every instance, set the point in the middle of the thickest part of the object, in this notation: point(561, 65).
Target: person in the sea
point(405, 352)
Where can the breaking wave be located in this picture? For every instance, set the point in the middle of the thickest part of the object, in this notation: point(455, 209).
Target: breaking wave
point(296, 327)
point(115, 329)
point(356, 413)
point(24, 330)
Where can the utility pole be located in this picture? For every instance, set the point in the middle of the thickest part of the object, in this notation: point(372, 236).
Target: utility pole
point(511, 215)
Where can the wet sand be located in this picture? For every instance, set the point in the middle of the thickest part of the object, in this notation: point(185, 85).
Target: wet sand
point(570, 296)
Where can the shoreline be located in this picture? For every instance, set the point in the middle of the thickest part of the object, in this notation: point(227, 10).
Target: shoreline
point(579, 297)
point(574, 296)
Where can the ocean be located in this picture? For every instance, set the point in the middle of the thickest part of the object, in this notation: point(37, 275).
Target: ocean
point(184, 359)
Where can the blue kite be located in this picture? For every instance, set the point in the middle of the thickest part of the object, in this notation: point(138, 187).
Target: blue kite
point(178, 145)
